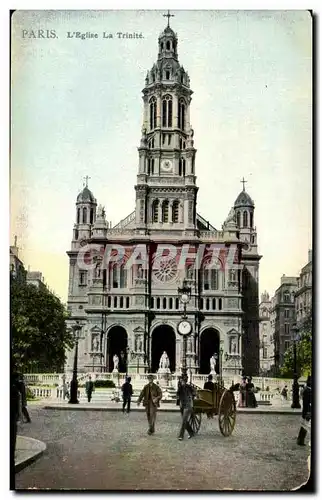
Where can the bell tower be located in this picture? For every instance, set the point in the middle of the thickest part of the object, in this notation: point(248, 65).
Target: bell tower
point(166, 191)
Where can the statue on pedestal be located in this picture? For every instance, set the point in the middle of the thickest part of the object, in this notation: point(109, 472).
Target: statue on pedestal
point(115, 363)
point(164, 364)
point(213, 364)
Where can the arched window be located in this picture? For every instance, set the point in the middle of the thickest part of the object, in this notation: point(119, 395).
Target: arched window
point(153, 113)
point(214, 304)
point(109, 301)
point(123, 277)
point(152, 166)
point(167, 75)
point(76, 234)
point(152, 302)
point(220, 304)
point(121, 301)
point(175, 211)
point(238, 218)
point(251, 217)
point(91, 216)
point(181, 114)
point(201, 303)
point(170, 303)
point(214, 279)
point(127, 302)
point(182, 167)
point(164, 303)
point(165, 211)
point(245, 219)
point(207, 304)
point(115, 301)
point(155, 211)
point(151, 143)
point(167, 111)
point(78, 215)
point(168, 45)
point(158, 303)
point(84, 215)
point(115, 276)
point(177, 303)
point(287, 296)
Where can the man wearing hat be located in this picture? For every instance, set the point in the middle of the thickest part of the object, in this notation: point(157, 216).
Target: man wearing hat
point(185, 394)
point(306, 413)
point(151, 395)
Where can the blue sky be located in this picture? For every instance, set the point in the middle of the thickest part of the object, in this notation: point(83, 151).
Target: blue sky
point(77, 110)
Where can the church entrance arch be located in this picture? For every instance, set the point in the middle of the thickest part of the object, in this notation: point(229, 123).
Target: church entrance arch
point(209, 345)
point(163, 339)
point(117, 344)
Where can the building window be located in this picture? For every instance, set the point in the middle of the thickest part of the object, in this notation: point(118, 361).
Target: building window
point(287, 344)
point(168, 45)
point(220, 304)
point(264, 352)
point(115, 276)
point(210, 279)
point(181, 114)
point(158, 303)
point(123, 277)
point(115, 301)
point(175, 211)
point(170, 303)
point(287, 329)
point(164, 303)
point(78, 215)
point(83, 278)
point(155, 211)
point(182, 167)
point(109, 301)
point(91, 216)
point(165, 211)
point(245, 219)
point(121, 301)
point(251, 216)
point(167, 111)
point(84, 215)
point(201, 303)
point(153, 113)
point(177, 303)
point(214, 304)
point(286, 313)
point(76, 234)
point(287, 296)
point(207, 304)
point(127, 302)
point(238, 218)
point(167, 75)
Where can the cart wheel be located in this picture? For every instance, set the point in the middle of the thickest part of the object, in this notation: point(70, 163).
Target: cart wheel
point(227, 413)
point(195, 421)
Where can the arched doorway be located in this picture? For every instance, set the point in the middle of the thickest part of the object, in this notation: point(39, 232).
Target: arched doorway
point(163, 339)
point(117, 344)
point(209, 345)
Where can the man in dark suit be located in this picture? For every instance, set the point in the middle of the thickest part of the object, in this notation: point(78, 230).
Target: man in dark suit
point(209, 384)
point(185, 394)
point(151, 395)
point(127, 392)
point(306, 412)
point(89, 388)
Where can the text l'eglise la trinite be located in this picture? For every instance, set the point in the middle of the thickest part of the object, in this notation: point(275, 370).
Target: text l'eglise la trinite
point(105, 34)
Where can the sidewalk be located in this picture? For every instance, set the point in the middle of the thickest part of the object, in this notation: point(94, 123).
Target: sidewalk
point(27, 450)
point(165, 407)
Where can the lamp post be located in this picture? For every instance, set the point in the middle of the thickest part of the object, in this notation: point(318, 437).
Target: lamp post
point(221, 351)
point(295, 387)
point(74, 383)
point(184, 295)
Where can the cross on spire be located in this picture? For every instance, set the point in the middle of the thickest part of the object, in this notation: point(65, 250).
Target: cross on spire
point(244, 182)
point(168, 15)
point(86, 180)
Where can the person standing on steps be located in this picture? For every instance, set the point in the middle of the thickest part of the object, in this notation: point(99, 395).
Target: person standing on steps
point(89, 388)
point(127, 392)
point(151, 395)
point(185, 394)
point(306, 413)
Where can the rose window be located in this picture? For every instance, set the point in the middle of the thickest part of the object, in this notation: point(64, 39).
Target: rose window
point(165, 271)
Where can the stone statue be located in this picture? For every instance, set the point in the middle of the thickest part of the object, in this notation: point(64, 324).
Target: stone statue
point(212, 364)
point(97, 344)
point(233, 346)
point(140, 272)
point(164, 361)
point(98, 270)
point(140, 345)
point(115, 363)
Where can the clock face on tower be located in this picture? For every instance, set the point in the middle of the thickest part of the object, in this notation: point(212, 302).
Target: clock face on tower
point(166, 166)
point(184, 327)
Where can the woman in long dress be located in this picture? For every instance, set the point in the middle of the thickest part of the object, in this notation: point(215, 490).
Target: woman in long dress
point(250, 394)
point(242, 393)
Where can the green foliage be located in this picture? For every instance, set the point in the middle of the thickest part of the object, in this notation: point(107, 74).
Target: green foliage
point(29, 394)
point(303, 352)
point(104, 383)
point(38, 329)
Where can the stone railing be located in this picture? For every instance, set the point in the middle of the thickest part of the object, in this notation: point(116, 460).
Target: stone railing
point(43, 378)
point(42, 392)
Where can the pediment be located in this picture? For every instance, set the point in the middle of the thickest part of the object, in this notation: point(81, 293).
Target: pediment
point(232, 332)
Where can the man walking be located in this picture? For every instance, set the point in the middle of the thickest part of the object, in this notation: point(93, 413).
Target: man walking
point(127, 391)
point(306, 413)
point(89, 388)
point(151, 395)
point(185, 395)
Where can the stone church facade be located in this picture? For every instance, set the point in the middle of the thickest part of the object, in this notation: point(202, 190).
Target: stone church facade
point(128, 304)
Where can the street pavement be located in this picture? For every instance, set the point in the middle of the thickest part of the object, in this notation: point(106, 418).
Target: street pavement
point(111, 451)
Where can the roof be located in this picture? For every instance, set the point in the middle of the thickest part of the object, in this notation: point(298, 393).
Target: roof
point(86, 195)
point(243, 200)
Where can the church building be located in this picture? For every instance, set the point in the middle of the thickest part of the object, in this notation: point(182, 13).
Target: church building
point(132, 310)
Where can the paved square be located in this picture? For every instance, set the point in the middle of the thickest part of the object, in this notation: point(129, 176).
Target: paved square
point(111, 451)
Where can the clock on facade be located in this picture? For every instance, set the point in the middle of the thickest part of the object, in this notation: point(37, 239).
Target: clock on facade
point(166, 165)
point(184, 327)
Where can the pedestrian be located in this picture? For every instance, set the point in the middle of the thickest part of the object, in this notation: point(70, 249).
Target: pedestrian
point(23, 393)
point(185, 394)
point(242, 393)
point(127, 391)
point(250, 394)
point(306, 413)
point(284, 393)
point(89, 388)
point(151, 395)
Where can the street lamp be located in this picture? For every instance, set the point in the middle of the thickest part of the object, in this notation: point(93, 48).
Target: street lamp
point(74, 383)
point(221, 351)
point(184, 327)
point(295, 388)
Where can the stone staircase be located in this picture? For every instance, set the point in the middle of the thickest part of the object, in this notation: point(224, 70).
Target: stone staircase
point(103, 396)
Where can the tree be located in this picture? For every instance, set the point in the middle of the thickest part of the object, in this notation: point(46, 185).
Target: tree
point(38, 328)
point(303, 351)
